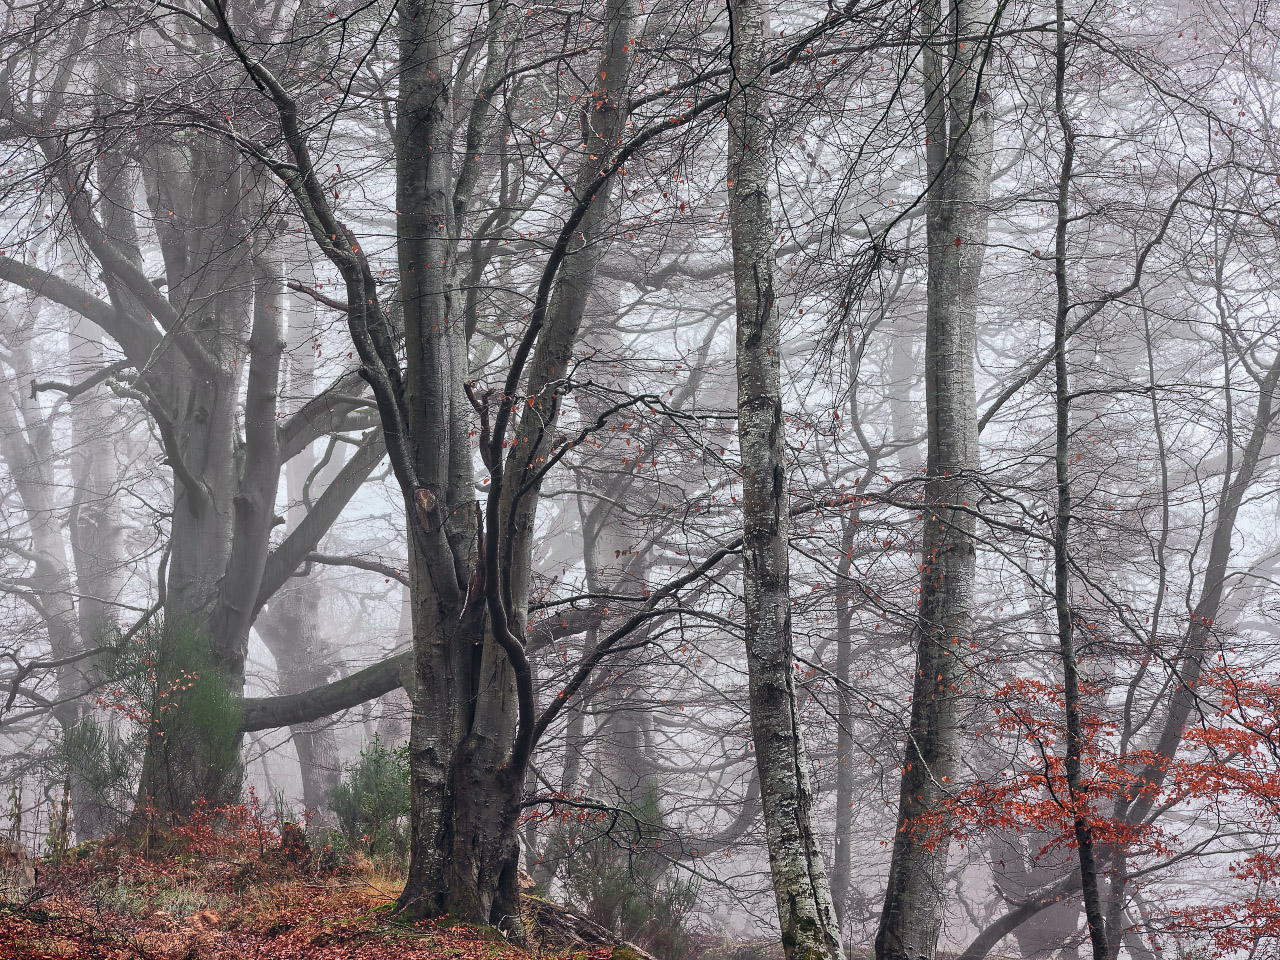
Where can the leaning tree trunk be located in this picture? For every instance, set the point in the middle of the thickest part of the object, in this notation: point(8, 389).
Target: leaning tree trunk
point(805, 910)
point(958, 130)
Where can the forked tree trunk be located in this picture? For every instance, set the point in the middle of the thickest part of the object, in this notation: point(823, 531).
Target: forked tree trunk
point(467, 754)
point(441, 525)
point(486, 777)
point(465, 794)
point(806, 914)
point(958, 130)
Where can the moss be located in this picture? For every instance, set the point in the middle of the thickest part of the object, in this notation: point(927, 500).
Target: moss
point(803, 930)
point(31, 914)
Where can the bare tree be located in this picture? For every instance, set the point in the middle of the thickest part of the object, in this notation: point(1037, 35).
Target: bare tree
point(958, 125)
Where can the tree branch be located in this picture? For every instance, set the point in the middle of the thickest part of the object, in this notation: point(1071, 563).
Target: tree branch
point(269, 713)
point(84, 386)
point(320, 415)
point(984, 942)
point(289, 555)
point(50, 286)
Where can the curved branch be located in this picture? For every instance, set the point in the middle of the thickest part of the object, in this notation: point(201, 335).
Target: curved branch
point(84, 386)
point(320, 415)
point(985, 942)
point(1098, 305)
point(269, 713)
point(293, 550)
point(50, 286)
point(359, 563)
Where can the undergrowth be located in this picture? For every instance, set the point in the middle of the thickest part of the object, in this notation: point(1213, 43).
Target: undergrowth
point(232, 882)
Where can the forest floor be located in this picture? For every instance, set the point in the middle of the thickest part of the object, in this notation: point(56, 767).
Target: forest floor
point(114, 905)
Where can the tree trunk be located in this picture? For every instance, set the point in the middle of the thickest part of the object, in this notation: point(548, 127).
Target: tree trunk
point(187, 348)
point(396, 708)
point(95, 534)
point(806, 914)
point(842, 860)
point(290, 628)
point(958, 131)
point(254, 503)
point(456, 805)
point(1077, 796)
point(290, 624)
point(480, 791)
point(27, 445)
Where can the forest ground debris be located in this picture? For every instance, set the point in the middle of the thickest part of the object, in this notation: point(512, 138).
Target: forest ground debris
point(109, 903)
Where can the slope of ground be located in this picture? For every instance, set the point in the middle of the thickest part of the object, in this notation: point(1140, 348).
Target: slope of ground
point(115, 905)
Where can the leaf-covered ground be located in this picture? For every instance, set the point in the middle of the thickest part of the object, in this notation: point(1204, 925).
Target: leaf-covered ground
point(124, 907)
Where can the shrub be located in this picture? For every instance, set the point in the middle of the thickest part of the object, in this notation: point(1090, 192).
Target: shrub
point(104, 767)
point(192, 722)
point(614, 873)
point(167, 731)
point(372, 801)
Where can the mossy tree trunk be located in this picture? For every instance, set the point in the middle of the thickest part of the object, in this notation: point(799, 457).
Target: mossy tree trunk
point(806, 913)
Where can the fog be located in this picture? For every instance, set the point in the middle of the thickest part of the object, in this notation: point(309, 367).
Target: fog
point(765, 477)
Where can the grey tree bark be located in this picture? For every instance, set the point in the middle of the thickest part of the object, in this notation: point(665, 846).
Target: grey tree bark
point(97, 553)
point(474, 719)
point(186, 348)
point(958, 131)
point(842, 879)
point(1138, 803)
point(489, 764)
point(26, 446)
point(806, 914)
point(438, 498)
point(290, 624)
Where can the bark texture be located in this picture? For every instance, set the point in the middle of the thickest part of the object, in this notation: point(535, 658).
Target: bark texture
point(448, 646)
point(193, 344)
point(290, 624)
point(806, 914)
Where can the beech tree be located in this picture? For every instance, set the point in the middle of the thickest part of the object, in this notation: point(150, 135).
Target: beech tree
point(957, 122)
point(181, 340)
point(805, 910)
